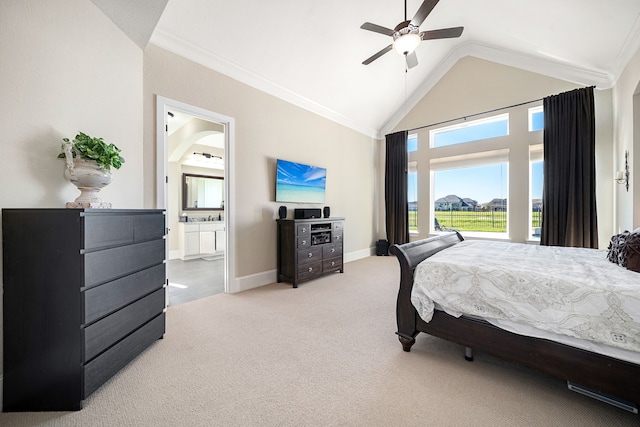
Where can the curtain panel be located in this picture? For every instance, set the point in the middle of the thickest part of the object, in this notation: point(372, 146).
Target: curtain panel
point(395, 188)
point(569, 189)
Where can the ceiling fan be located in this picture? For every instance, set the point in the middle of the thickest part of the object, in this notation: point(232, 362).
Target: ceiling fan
point(407, 35)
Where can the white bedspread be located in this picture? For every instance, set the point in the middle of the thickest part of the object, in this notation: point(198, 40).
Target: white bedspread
point(572, 292)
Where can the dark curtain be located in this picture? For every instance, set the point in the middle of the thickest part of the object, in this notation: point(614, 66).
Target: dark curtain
point(569, 191)
point(395, 188)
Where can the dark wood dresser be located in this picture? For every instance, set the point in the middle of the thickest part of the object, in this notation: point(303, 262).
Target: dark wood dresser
point(84, 294)
point(309, 248)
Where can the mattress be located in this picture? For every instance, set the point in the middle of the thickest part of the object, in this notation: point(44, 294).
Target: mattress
point(569, 295)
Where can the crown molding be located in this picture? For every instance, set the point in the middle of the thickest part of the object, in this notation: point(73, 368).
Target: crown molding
point(179, 46)
point(629, 48)
point(535, 64)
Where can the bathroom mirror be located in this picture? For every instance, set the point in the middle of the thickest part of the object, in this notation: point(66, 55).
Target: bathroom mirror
point(202, 192)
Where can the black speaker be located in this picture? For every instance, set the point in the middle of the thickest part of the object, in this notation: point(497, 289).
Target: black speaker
point(307, 213)
point(382, 248)
point(282, 212)
point(326, 211)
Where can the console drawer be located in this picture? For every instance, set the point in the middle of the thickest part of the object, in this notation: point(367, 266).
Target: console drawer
point(304, 242)
point(111, 361)
point(104, 333)
point(303, 229)
point(311, 254)
point(307, 271)
point(331, 264)
point(109, 297)
point(108, 264)
point(330, 251)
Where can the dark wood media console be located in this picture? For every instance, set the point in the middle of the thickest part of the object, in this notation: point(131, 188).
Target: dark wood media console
point(84, 294)
point(309, 248)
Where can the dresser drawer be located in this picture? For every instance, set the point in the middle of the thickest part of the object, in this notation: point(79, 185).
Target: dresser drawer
point(113, 230)
point(106, 332)
point(109, 297)
point(310, 254)
point(304, 242)
point(333, 264)
point(303, 230)
point(109, 264)
point(111, 361)
point(330, 251)
point(308, 271)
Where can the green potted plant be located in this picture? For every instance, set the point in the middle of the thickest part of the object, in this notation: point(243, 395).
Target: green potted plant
point(89, 148)
point(89, 162)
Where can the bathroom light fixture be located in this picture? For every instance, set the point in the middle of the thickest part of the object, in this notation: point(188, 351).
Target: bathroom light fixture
point(622, 177)
point(208, 156)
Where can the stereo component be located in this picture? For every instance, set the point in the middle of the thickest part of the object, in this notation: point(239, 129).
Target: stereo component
point(326, 211)
point(307, 213)
point(282, 212)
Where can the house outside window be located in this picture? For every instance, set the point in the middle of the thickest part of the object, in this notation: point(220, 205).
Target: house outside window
point(471, 194)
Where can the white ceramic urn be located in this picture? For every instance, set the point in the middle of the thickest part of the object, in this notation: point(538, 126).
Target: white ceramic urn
point(89, 177)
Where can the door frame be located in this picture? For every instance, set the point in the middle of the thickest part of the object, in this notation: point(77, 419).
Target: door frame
point(163, 105)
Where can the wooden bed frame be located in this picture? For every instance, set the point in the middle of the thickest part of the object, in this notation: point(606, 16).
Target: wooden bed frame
point(602, 374)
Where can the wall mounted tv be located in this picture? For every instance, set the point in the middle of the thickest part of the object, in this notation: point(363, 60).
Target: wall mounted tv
point(300, 183)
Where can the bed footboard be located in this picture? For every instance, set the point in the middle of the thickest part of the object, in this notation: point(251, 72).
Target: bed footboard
point(409, 256)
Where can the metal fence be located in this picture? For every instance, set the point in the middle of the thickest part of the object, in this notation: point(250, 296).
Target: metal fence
point(488, 221)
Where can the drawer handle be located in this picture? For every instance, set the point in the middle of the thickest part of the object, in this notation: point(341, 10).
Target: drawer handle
point(310, 269)
point(304, 229)
point(333, 250)
point(304, 243)
point(310, 254)
point(333, 263)
point(337, 237)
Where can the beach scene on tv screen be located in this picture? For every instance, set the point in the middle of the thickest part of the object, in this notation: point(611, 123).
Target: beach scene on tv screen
point(300, 183)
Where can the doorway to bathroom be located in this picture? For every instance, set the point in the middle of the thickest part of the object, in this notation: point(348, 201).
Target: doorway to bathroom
point(194, 189)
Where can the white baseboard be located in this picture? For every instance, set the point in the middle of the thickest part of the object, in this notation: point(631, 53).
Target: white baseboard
point(364, 253)
point(174, 254)
point(254, 281)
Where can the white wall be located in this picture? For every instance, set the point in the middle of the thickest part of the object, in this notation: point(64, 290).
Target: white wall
point(65, 67)
point(626, 112)
point(266, 128)
point(473, 86)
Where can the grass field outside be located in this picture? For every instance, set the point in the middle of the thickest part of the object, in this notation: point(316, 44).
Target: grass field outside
point(486, 221)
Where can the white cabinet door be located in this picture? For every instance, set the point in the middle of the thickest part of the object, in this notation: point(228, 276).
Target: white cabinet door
point(207, 242)
point(191, 243)
point(220, 240)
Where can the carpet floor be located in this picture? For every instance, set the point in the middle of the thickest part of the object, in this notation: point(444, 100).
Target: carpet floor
point(324, 354)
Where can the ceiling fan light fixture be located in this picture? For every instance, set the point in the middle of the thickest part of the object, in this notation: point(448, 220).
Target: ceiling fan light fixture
point(406, 43)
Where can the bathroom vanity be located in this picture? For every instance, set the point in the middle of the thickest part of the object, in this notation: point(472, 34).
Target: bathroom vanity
point(199, 239)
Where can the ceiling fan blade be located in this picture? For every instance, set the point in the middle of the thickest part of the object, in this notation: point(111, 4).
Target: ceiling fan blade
point(412, 60)
point(377, 55)
point(424, 11)
point(377, 29)
point(444, 33)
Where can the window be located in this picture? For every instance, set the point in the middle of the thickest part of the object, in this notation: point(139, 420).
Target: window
point(475, 130)
point(536, 118)
point(536, 179)
point(412, 196)
point(412, 143)
point(470, 192)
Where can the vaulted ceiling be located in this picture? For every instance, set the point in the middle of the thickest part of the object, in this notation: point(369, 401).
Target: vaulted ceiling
point(310, 53)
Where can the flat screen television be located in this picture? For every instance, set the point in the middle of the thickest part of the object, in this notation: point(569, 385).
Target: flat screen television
point(300, 183)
